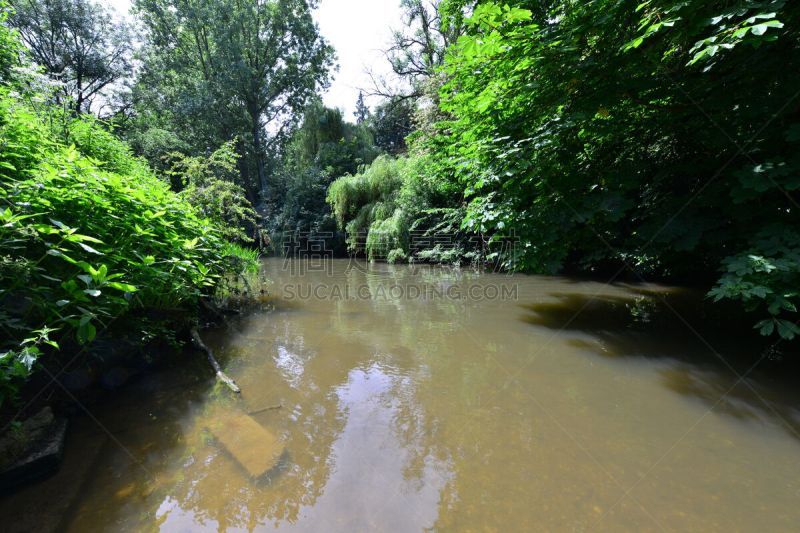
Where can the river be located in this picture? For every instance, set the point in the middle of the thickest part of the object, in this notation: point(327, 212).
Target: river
point(416, 398)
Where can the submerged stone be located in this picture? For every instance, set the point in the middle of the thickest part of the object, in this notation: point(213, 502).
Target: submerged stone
point(254, 447)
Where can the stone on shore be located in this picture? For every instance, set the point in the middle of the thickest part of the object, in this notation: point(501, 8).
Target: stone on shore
point(33, 451)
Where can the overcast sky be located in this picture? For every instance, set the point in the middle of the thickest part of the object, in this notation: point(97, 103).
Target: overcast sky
point(358, 30)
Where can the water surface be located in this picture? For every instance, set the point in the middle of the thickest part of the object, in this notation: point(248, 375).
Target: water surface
point(566, 405)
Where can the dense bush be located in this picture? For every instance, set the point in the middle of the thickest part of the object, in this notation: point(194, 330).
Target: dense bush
point(325, 146)
point(392, 202)
point(363, 202)
point(209, 183)
point(88, 233)
point(9, 46)
point(657, 137)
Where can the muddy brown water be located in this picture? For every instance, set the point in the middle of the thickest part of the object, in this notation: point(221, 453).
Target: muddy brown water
point(432, 399)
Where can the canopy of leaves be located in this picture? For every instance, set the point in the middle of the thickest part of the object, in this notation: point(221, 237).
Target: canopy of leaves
point(78, 42)
point(392, 205)
point(323, 147)
point(658, 138)
point(645, 139)
point(209, 183)
point(221, 69)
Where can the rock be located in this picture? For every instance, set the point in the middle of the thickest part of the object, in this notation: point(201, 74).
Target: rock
point(45, 506)
point(34, 451)
point(18, 439)
point(253, 446)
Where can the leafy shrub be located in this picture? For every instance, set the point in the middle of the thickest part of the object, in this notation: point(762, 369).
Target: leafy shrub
point(208, 183)
point(392, 202)
point(362, 202)
point(9, 45)
point(766, 278)
point(155, 144)
point(92, 140)
point(658, 138)
point(87, 234)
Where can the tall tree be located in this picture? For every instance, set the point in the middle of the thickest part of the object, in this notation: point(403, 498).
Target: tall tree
point(78, 42)
point(362, 111)
point(418, 49)
point(238, 67)
point(324, 147)
point(391, 123)
point(9, 46)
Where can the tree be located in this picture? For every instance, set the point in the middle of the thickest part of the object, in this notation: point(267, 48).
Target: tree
point(9, 46)
point(238, 68)
point(391, 123)
point(324, 147)
point(79, 43)
point(658, 140)
point(208, 184)
point(418, 50)
point(362, 111)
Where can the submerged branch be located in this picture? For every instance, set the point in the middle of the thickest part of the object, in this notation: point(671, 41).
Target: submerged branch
point(212, 360)
point(265, 409)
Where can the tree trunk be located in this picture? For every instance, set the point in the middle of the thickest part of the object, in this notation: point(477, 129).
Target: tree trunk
point(262, 177)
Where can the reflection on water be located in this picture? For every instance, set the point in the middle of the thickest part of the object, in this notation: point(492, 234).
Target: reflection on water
point(579, 406)
point(704, 360)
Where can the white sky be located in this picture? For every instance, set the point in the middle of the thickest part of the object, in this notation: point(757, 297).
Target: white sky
point(358, 30)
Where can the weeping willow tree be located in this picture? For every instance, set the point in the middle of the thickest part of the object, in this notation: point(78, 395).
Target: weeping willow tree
point(368, 207)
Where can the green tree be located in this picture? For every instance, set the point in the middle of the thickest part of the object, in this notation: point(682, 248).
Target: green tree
point(79, 43)
point(208, 183)
point(391, 123)
point(9, 46)
point(362, 111)
point(324, 147)
point(224, 69)
point(417, 51)
point(657, 138)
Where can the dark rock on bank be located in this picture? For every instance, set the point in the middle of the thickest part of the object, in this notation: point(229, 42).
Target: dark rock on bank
point(32, 450)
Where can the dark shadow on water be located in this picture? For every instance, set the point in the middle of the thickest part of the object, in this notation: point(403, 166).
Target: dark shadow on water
point(700, 349)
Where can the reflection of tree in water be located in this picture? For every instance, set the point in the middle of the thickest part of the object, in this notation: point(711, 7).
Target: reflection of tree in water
point(684, 332)
point(390, 339)
point(215, 488)
point(439, 416)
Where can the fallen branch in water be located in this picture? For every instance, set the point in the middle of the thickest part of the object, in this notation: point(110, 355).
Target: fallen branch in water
point(218, 369)
point(265, 409)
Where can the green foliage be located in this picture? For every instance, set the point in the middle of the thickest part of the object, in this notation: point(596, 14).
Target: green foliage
point(380, 207)
point(9, 45)
point(766, 277)
point(155, 144)
point(418, 47)
point(209, 184)
point(88, 234)
point(323, 147)
point(77, 42)
point(218, 69)
point(391, 123)
point(366, 196)
point(362, 111)
point(659, 138)
point(92, 139)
